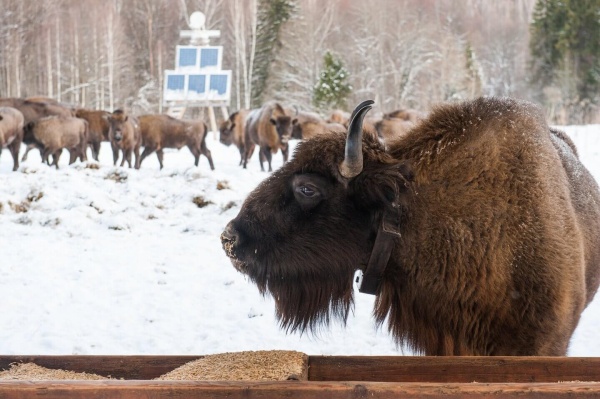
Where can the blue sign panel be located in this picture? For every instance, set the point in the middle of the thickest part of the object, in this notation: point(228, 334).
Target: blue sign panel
point(209, 57)
point(187, 57)
point(175, 82)
point(197, 83)
point(218, 83)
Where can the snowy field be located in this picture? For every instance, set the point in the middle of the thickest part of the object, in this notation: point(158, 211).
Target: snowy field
point(116, 261)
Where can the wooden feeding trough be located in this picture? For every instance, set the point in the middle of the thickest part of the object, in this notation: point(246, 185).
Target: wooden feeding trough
point(328, 377)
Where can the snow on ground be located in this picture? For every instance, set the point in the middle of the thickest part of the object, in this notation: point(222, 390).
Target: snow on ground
point(116, 261)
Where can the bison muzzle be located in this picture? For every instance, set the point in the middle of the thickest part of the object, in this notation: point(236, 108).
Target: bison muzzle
point(477, 231)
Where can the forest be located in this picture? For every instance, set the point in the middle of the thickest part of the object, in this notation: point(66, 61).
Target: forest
point(316, 55)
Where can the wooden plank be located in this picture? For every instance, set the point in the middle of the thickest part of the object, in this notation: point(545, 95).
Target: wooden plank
point(453, 369)
point(296, 390)
point(127, 367)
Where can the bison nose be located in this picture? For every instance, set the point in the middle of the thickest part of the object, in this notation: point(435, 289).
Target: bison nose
point(229, 238)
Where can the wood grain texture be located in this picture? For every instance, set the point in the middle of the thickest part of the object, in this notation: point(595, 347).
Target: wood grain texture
point(296, 390)
point(453, 369)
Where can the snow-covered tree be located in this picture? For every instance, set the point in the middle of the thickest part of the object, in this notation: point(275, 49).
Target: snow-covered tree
point(332, 89)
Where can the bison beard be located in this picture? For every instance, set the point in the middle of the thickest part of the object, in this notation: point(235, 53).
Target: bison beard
point(494, 222)
point(309, 277)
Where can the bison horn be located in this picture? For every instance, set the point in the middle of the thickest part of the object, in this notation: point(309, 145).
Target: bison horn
point(353, 157)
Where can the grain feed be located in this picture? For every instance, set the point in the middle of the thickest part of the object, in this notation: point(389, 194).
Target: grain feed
point(33, 372)
point(277, 365)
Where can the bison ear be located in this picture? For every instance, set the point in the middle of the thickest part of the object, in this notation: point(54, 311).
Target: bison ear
point(384, 186)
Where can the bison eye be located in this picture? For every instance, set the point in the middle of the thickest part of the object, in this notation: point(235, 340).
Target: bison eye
point(309, 190)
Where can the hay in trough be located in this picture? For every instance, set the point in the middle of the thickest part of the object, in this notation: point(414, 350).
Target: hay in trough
point(276, 365)
point(33, 372)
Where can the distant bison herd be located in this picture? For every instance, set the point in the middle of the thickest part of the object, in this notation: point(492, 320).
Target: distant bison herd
point(51, 127)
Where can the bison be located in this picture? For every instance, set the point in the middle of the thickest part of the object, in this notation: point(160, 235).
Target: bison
point(163, 131)
point(124, 134)
point(269, 127)
point(231, 131)
point(36, 108)
point(390, 128)
point(98, 128)
point(310, 124)
point(477, 231)
point(11, 132)
point(53, 133)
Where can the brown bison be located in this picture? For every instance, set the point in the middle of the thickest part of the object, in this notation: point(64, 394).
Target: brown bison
point(269, 127)
point(231, 131)
point(98, 128)
point(391, 128)
point(35, 109)
point(11, 132)
point(478, 231)
point(124, 134)
point(407, 114)
point(163, 131)
point(53, 133)
point(310, 124)
point(339, 116)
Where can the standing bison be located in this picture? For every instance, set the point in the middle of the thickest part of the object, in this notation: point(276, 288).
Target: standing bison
point(54, 133)
point(477, 231)
point(163, 131)
point(98, 128)
point(232, 130)
point(124, 134)
point(11, 132)
point(270, 128)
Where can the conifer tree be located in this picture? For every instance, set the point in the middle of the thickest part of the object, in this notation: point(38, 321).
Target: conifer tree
point(564, 39)
point(332, 89)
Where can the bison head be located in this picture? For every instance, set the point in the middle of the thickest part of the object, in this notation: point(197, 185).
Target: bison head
point(116, 121)
point(226, 130)
point(305, 230)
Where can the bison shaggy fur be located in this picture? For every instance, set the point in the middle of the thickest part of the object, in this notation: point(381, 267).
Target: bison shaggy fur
point(494, 224)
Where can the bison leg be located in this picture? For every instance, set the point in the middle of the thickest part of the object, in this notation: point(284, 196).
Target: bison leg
point(56, 157)
point(242, 151)
point(124, 157)
point(14, 148)
point(147, 151)
point(46, 155)
point(196, 153)
point(285, 152)
point(262, 157)
point(115, 150)
point(268, 156)
point(73, 153)
point(128, 155)
point(136, 152)
point(159, 155)
point(204, 149)
point(248, 151)
point(95, 149)
point(27, 149)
